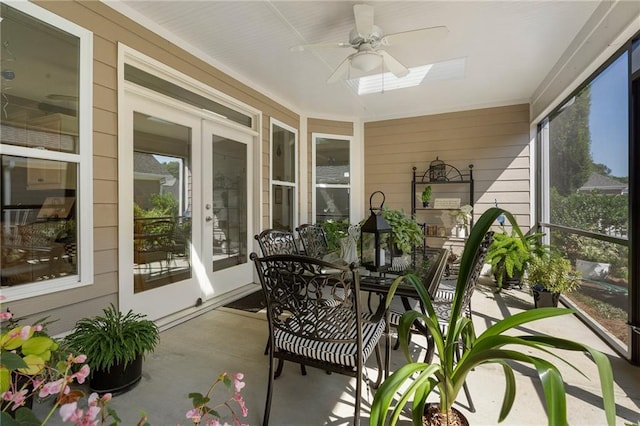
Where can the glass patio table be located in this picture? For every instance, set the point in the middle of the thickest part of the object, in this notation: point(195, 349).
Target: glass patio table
point(429, 264)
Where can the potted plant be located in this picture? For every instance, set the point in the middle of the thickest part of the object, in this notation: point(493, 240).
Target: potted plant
point(415, 381)
point(406, 233)
point(426, 196)
point(463, 218)
point(549, 276)
point(510, 254)
point(115, 345)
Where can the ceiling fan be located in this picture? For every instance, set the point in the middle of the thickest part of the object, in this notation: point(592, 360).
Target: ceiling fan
point(368, 39)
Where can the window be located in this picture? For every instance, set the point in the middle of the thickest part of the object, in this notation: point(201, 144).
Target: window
point(585, 167)
point(157, 84)
point(284, 142)
point(45, 152)
point(332, 177)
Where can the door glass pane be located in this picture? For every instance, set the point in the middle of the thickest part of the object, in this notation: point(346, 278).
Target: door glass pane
point(332, 203)
point(39, 82)
point(282, 203)
point(162, 202)
point(283, 154)
point(332, 161)
point(38, 220)
point(229, 203)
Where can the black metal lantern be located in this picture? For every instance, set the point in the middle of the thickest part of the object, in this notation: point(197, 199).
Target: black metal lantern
point(378, 229)
point(437, 170)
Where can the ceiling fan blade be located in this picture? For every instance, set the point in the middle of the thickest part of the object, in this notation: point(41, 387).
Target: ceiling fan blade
point(340, 71)
point(393, 64)
point(422, 34)
point(364, 19)
point(303, 47)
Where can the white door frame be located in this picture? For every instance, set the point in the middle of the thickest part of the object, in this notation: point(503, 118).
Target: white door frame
point(126, 89)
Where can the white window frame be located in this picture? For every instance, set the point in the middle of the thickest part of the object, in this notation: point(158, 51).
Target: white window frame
point(84, 160)
point(314, 185)
point(273, 183)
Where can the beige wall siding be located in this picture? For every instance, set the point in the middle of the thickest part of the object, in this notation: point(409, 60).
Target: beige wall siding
point(109, 28)
point(316, 125)
point(494, 140)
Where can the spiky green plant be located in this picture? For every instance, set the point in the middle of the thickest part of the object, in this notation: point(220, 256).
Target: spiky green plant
point(416, 380)
point(114, 338)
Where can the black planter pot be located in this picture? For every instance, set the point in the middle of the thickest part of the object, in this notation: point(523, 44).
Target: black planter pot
point(508, 282)
point(545, 299)
point(118, 379)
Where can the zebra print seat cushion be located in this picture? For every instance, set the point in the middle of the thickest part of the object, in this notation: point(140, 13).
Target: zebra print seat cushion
point(341, 353)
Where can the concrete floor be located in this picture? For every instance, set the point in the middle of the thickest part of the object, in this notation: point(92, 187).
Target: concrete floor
point(191, 355)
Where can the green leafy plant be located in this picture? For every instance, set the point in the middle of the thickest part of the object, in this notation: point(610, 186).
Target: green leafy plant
point(552, 273)
point(335, 231)
point(497, 344)
point(426, 195)
point(510, 254)
point(113, 338)
point(406, 233)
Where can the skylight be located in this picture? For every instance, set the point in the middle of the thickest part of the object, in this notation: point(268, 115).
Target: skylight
point(383, 82)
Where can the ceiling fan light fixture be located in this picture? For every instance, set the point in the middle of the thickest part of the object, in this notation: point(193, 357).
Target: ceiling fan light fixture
point(366, 61)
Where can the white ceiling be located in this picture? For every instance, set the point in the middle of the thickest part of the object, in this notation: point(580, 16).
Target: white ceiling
point(509, 48)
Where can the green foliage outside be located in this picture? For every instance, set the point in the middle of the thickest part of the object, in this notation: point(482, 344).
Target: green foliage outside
point(173, 167)
point(570, 167)
point(591, 211)
point(570, 147)
point(595, 212)
point(163, 205)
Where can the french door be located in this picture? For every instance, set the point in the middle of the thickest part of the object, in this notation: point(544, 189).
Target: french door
point(228, 203)
point(185, 193)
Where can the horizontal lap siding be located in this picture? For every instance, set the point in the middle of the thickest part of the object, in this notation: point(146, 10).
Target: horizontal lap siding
point(109, 28)
point(494, 140)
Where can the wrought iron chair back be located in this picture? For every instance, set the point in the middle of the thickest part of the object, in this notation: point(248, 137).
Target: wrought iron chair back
point(442, 297)
point(154, 240)
point(316, 318)
point(273, 241)
point(314, 240)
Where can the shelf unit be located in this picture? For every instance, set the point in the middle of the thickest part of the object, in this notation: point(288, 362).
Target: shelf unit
point(450, 181)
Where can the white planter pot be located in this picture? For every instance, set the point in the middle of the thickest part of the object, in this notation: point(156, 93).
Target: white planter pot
point(592, 270)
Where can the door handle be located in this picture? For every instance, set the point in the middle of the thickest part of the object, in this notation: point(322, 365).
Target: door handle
point(208, 218)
